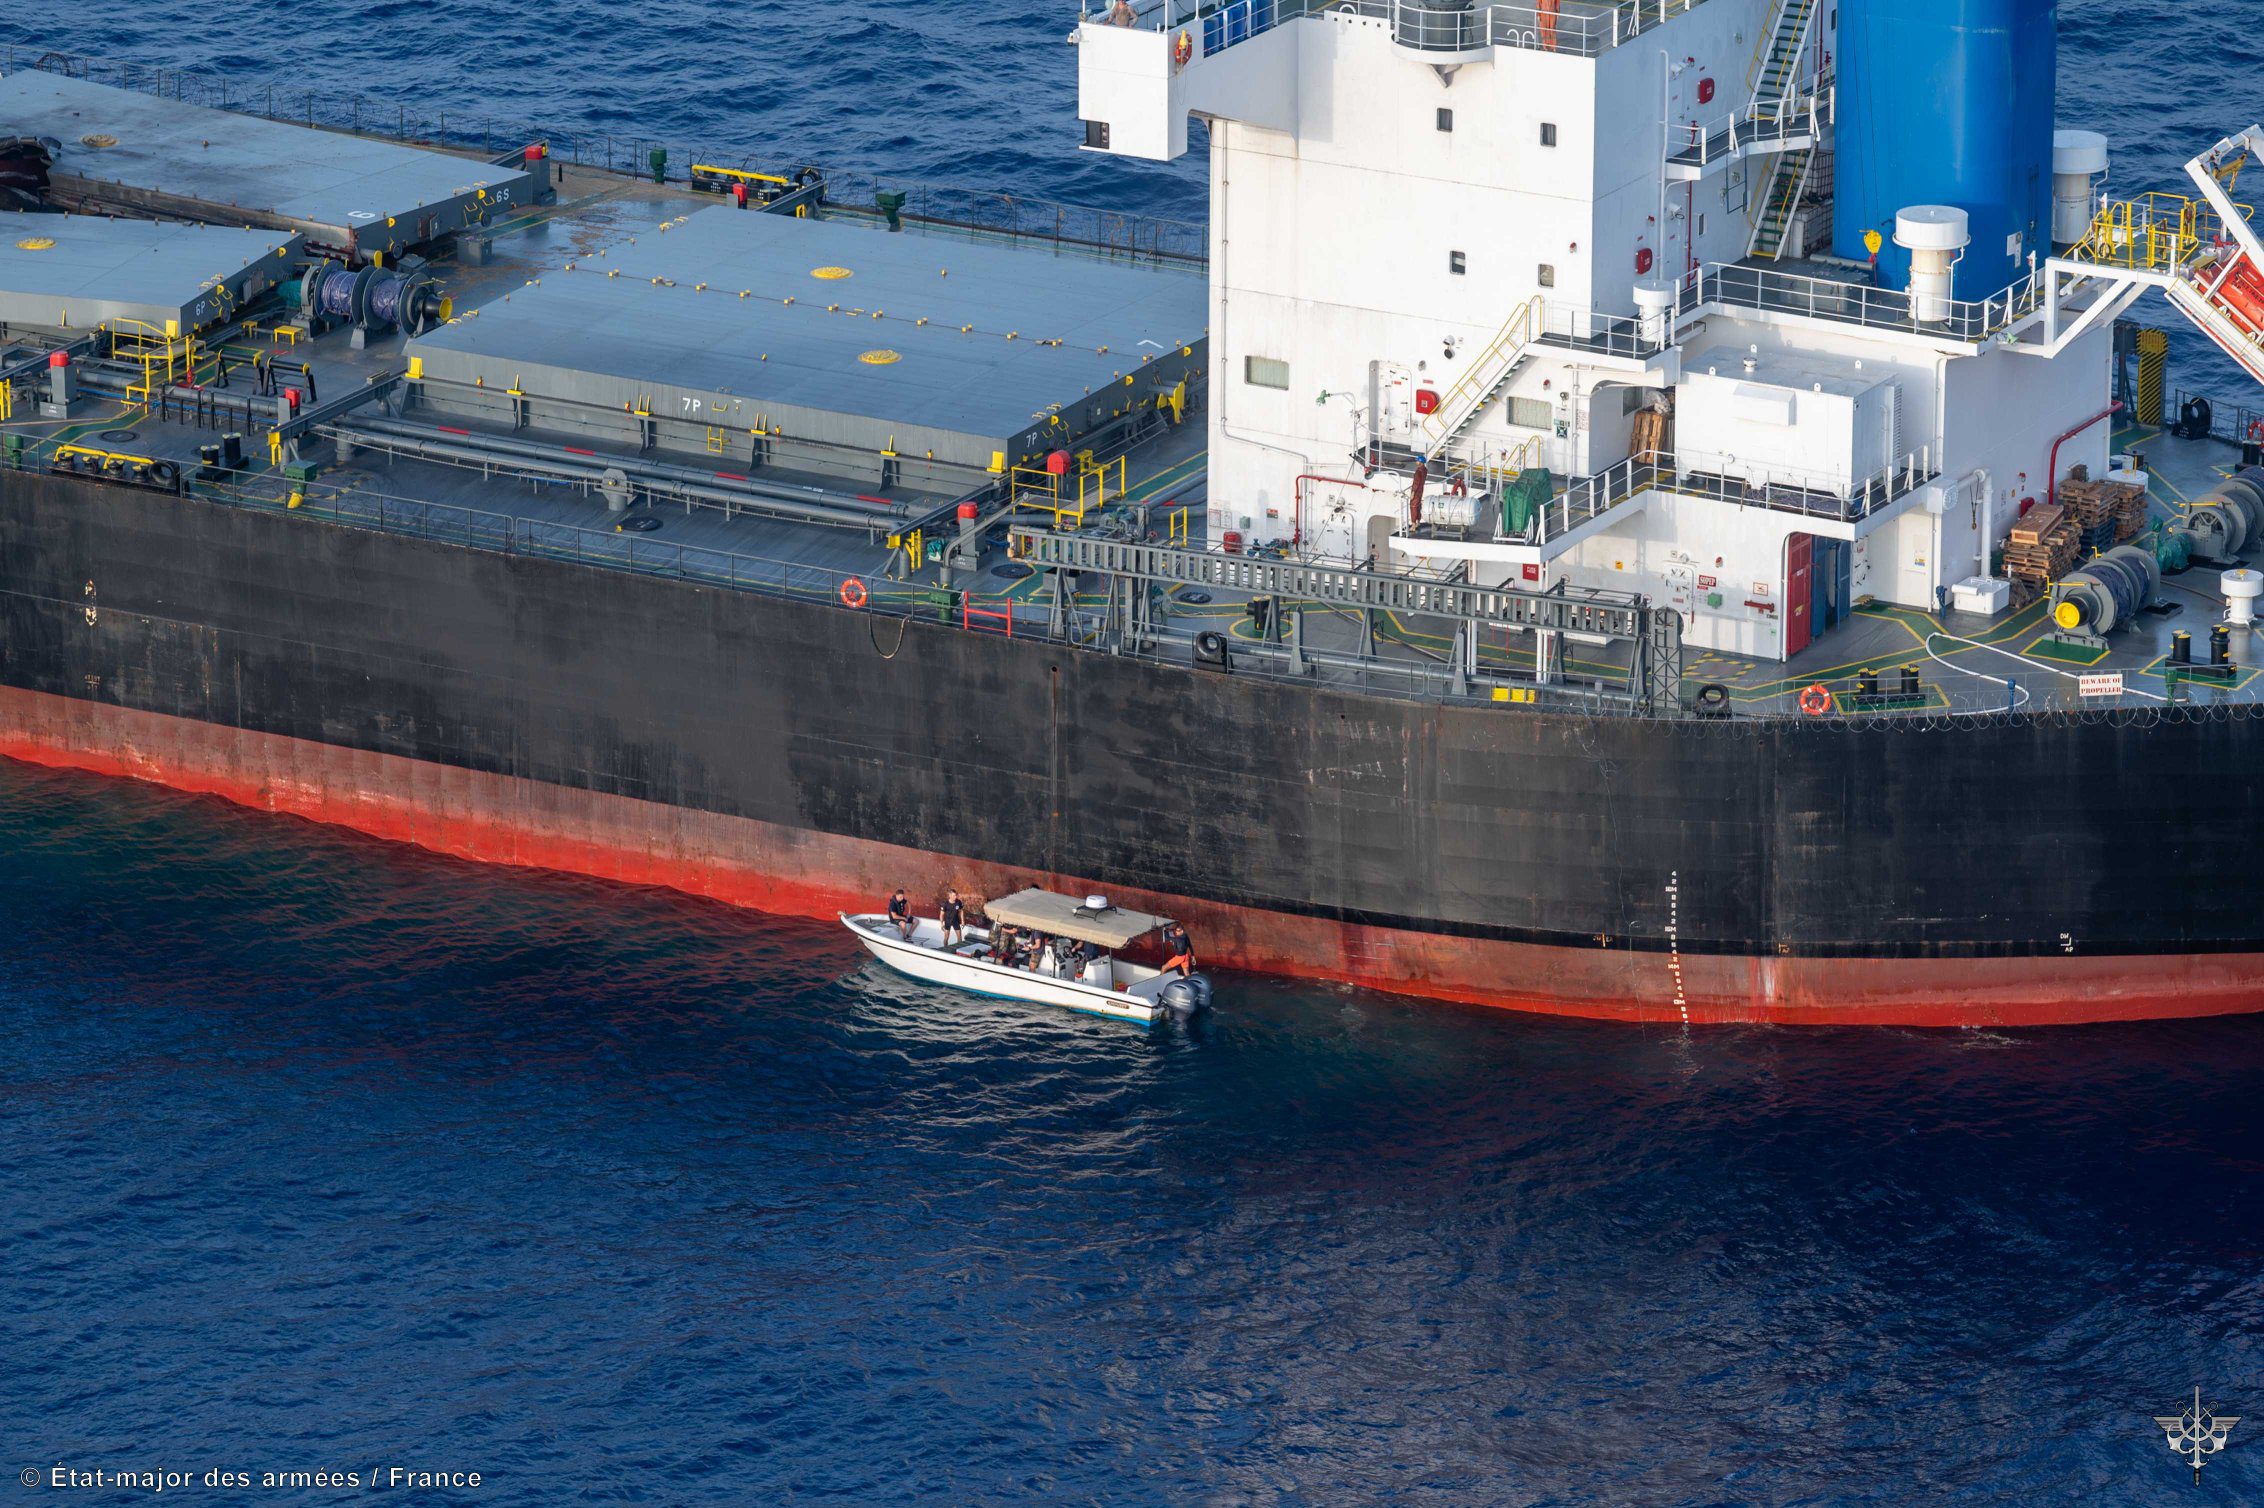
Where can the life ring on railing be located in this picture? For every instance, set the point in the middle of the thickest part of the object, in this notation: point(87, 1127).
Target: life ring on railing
point(1815, 701)
point(853, 593)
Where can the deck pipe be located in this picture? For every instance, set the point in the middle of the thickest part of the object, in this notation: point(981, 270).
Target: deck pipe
point(811, 504)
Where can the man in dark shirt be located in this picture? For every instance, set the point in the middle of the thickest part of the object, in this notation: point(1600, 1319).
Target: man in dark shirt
point(953, 916)
point(1179, 950)
point(900, 912)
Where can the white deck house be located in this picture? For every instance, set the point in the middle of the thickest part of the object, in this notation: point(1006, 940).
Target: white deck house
point(1488, 239)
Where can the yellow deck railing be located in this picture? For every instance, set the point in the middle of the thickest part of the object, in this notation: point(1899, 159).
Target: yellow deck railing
point(1485, 373)
point(2151, 233)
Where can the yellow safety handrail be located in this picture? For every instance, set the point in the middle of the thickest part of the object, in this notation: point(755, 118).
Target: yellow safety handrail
point(1515, 335)
point(2154, 232)
point(1795, 8)
point(1093, 477)
point(745, 175)
point(162, 354)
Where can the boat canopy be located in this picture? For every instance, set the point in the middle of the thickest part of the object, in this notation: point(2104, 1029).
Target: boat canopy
point(1068, 916)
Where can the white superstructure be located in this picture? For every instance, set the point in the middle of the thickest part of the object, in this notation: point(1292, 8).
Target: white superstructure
point(1580, 237)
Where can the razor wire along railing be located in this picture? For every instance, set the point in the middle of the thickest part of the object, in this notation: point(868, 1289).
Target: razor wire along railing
point(936, 206)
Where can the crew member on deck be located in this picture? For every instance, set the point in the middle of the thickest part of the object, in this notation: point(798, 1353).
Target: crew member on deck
point(900, 912)
point(1120, 14)
point(1180, 950)
point(953, 915)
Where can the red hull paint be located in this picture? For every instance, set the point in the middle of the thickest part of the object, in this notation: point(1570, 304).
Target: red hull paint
point(506, 820)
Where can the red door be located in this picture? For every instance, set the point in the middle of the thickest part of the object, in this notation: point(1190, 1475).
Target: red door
point(1799, 566)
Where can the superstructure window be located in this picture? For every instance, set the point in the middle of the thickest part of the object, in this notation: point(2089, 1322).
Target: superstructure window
point(1265, 371)
point(1446, 119)
point(1547, 275)
point(1548, 133)
point(1530, 413)
point(1455, 263)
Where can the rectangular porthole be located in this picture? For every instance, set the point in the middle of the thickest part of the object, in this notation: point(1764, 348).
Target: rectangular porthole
point(1455, 263)
point(1547, 276)
point(1265, 371)
point(1548, 133)
point(1446, 119)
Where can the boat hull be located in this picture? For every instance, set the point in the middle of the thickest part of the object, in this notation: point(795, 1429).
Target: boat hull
point(800, 758)
point(922, 959)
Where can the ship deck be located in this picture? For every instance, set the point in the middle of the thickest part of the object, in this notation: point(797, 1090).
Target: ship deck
point(1966, 664)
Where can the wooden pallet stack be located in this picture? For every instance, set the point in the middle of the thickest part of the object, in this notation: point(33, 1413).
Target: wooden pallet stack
point(2130, 511)
point(2041, 549)
point(2106, 513)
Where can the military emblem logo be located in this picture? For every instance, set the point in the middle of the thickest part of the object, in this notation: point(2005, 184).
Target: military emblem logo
point(2198, 1433)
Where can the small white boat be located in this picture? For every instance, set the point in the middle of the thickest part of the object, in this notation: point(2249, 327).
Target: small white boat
point(1105, 986)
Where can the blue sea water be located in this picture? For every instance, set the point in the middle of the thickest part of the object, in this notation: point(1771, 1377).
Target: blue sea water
point(318, 1153)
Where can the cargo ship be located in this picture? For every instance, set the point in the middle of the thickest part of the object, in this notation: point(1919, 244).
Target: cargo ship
point(1644, 509)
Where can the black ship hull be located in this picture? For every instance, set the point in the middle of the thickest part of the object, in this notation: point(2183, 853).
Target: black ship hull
point(800, 756)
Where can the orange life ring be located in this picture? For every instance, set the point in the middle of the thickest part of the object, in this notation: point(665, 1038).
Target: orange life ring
point(1183, 50)
point(853, 593)
point(1815, 701)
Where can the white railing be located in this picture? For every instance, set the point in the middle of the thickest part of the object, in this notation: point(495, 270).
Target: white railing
point(1583, 28)
point(1761, 288)
point(1763, 125)
point(1577, 327)
point(1781, 489)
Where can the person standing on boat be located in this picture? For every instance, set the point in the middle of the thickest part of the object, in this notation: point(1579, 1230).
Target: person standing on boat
point(1002, 942)
point(1180, 950)
point(953, 915)
point(1073, 959)
point(900, 912)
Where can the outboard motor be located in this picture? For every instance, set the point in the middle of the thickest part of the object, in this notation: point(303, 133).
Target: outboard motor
point(1187, 996)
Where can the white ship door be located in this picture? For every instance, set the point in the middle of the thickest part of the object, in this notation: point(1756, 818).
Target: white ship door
point(1336, 523)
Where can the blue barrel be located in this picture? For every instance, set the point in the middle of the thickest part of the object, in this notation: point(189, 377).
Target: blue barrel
point(1947, 102)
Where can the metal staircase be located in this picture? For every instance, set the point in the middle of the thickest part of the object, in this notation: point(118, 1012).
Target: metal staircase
point(1461, 405)
point(1781, 63)
point(1779, 67)
point(1788, 181)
